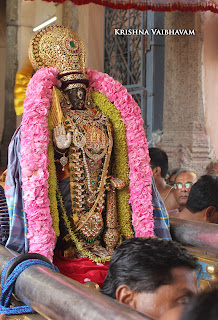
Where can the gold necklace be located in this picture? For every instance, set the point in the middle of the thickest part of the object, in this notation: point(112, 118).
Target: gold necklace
point(102, 183)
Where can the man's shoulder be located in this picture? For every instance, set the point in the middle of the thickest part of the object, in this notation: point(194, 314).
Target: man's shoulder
point(174, 213)
point(170, 201)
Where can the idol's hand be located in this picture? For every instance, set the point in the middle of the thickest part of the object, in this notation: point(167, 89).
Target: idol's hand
point(61, 139)
point(117, 183)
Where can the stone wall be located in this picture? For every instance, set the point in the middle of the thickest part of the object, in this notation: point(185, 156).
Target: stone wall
point(210, 55)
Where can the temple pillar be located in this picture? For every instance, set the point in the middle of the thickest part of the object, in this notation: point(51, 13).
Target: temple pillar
point(184, 134)
point(11, 69)
point(210, 54)
point(3, 60)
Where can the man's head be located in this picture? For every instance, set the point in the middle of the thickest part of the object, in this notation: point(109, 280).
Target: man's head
point(158, 163)
point(184, 180)
point(212, 167)
point(203, 200)
point(172, 177)
point(151, 275)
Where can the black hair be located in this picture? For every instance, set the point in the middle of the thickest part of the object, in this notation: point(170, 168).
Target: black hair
point(174, 171)
point(144, 264)
point(171, 173)
point(203, 194)
point(211, 164)
point(159, 158)
point(201, 307)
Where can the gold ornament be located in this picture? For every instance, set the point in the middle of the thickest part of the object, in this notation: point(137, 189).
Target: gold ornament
point(75, 85)
point(91, 142)
point(60, 47)
point(75, 76)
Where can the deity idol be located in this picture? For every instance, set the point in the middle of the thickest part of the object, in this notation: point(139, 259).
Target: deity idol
point(75, 159)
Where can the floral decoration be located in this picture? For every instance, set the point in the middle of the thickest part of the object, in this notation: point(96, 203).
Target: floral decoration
point(34, 161)
point(52, 181)
point(34, 158)
point(121, 168)
point(140, 172)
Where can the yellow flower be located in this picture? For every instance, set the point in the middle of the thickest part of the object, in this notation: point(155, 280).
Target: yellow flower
point(121, 168)
point(52, 182)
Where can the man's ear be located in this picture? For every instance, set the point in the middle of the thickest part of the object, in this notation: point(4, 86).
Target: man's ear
point(125, 295)
point(210, 214)
point(156, 171)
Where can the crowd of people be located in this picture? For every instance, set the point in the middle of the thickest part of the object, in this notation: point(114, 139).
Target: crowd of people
point(159, 278)
point(184, 193)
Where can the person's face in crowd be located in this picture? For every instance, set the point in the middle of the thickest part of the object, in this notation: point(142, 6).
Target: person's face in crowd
point(213, 169)
point(173, 314)
point(182, 185)
point(171, 180)
point(156, 304)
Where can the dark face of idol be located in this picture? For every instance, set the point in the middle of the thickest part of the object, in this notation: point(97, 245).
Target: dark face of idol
point(77, 97)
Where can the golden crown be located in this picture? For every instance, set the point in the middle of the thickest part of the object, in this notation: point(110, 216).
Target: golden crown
point(60, 47)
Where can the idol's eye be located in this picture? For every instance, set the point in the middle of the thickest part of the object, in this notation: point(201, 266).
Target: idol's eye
point(80, 94)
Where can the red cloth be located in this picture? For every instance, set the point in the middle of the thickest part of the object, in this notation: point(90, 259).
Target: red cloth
point(82, 269)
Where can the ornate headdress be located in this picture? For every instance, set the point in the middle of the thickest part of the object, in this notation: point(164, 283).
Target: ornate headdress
point(60, 47)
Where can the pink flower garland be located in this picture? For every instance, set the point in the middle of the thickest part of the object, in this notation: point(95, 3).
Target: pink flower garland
point(34, 161)
point(140, 172)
